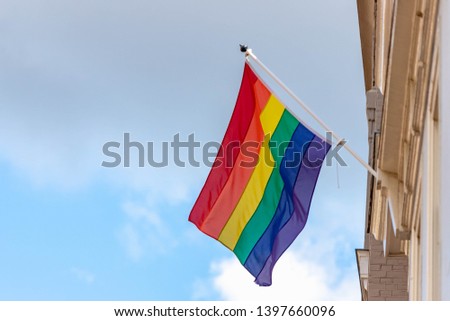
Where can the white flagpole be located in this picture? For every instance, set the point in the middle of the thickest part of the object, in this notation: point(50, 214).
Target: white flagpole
point(249, 53)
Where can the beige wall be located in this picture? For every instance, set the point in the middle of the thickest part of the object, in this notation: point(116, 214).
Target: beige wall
point(407, 213)
point(445, 152)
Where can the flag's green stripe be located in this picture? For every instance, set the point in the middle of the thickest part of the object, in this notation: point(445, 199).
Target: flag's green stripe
point(268, 205)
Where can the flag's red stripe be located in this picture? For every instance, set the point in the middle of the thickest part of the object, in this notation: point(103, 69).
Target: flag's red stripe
point(235, 186)
point(235, 134)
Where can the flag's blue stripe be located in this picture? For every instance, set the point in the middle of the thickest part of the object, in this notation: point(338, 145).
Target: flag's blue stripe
point(302, 196)
point(289, 170)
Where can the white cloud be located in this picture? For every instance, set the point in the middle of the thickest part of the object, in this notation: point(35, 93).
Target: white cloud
point(83, 275)
point(202, 290)
point(137, 212)
point(294, 278)
point(131, 241)
point(144, 232)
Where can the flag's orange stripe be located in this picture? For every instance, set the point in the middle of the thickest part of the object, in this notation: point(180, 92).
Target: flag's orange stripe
point(254, 191)
point(262, 95)
point(240, 175)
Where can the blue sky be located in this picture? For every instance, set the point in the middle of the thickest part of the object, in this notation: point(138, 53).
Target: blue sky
point(77, 74)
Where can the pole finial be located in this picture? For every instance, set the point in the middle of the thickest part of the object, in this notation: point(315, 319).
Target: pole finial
point(243, 48)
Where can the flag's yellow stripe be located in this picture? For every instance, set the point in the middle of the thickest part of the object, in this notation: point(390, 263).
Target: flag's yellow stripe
point(254, 190)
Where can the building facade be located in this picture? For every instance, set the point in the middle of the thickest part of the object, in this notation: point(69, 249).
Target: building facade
point(407, 211)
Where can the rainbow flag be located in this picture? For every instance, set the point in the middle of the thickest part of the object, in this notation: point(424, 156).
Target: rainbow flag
point(257, 196)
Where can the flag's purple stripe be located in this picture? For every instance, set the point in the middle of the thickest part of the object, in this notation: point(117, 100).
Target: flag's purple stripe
point(289, 169)
point(303, 192)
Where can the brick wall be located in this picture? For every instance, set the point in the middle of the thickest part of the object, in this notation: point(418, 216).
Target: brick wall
point(388, 276)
